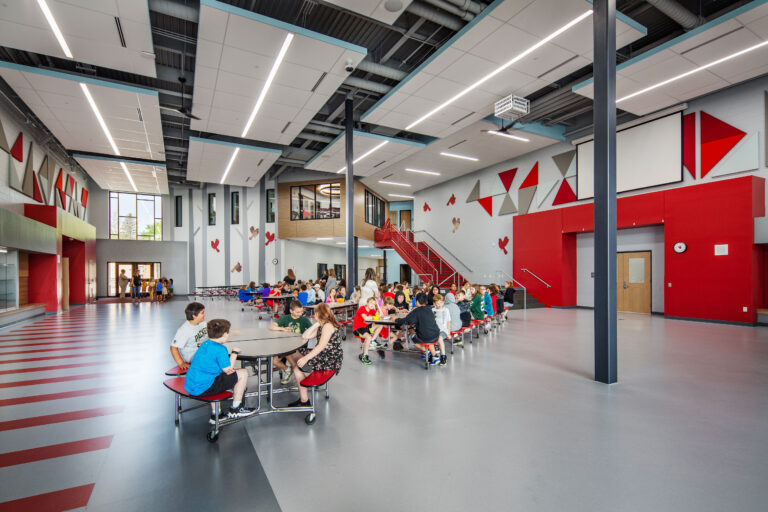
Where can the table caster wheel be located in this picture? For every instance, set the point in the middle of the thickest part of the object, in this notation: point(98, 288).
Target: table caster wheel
point(242, 309)
point(212, 437)
point(310, 418)
point(259, 317)
point(344, 337)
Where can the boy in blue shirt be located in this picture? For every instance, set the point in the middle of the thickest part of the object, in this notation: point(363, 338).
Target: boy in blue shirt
point(213, 369)
point(487, 301)
point(303, 295)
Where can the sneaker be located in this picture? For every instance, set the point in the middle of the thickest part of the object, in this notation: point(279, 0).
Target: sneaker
point(239, 412)
point(212, 420)
point(299, 403)
point(424, 355)
point(285, 376)
point(434, 361)
point(397, 346)
point(374, 344)
point(443, 360)
point(365, 360)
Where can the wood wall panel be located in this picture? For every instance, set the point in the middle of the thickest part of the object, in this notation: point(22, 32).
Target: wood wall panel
point(23, 278)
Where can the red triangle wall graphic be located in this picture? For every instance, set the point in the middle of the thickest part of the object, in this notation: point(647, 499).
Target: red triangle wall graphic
point(60, 180)
point(533, 177)
point(507, 177)
point(487, 203)
point(564, 194)
point(717, 139)
point(17, 151)
point(84, 197)
point(36, 194)
point(71, 189)
point(689, 143)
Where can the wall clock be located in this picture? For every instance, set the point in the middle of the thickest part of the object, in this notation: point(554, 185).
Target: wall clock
point(274, 261)
point(680, 247)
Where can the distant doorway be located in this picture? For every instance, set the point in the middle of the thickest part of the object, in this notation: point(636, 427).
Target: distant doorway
point(405, 220)
point(148, 272)
point(405, 273)
point(634, 282)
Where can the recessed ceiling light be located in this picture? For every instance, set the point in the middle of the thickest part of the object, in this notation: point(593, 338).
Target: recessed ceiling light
point(99, 118)
point(268, 83)
point(341, 243)
point(501, 68)
point(55, 27)
point(362, 156)
point(507, 135)
point(454, 155)
point(691, 72)
point(395, 183)
point(128, 175)
point(229, 165)
point(400, 195)
point(324, 238)
point(433, 173)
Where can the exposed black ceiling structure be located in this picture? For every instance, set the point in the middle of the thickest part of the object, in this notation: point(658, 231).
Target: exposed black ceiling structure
point(393, 52)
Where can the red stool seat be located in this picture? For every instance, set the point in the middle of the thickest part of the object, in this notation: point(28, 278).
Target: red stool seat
point(176, 385)
point(176, 371)
point(317, 378)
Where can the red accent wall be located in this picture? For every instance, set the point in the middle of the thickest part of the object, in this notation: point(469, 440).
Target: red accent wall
point(75, 251)
point(41, 213)
point(43, 279)
point(702, 285)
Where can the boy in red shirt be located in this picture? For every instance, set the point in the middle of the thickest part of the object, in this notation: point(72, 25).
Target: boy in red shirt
point(364, 329)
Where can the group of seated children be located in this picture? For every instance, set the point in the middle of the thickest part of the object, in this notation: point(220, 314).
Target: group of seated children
point(296, 322)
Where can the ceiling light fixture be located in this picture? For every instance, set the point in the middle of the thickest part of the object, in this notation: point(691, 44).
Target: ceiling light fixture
point(99, 118)
point(268, 83)
point(502, 68)
point(395, 183)
point(229, 165)
point(55, 27)
point(128, 175)
point(507, 135)
point(341, 243)
point(362, 156)
point(400, 195)
point(433, 173)
point(324, 238)
point(463, 157)
point(691, 72)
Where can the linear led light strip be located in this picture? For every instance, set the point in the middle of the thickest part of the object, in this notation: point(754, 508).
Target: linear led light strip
point(401, 195)
point(395, 183)
point(502, 68)
point(54, 27)
point(507, 135)
point(462, 157)
point(260, 99)
point(433, 173)
point(691, 72)
point(128, 175)
point(362, 156)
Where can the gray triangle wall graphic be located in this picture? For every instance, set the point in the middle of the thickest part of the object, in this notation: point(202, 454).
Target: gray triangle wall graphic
point(4, 140)
point(475, 194)
point(508, 207)
point(525, 197)
point(563, 161)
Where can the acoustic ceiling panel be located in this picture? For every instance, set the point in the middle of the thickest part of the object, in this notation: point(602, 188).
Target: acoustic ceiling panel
point(236, 52)
point(109, 174)
point(503, 31)
point(90, 30)
point(131, 114)
point(208, 160)
point(721, 39)
point(386, 11)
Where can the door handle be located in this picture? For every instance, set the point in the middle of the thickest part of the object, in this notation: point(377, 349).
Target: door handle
point(625, 285)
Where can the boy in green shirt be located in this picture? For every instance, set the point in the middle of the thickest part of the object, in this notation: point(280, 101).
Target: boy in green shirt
point(293, 322)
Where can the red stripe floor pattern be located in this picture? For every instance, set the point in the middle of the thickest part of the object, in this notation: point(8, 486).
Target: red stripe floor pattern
point(56, 396)
point(65, 499)
point(32, 359)
point(54, 451)
point(38, 382)
point(51, 368)
point(58, 418)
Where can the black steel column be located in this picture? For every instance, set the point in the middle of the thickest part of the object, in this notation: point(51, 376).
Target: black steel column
point(384, 252)
point(349, 198)
point(356, 267)
point(604, 20)
point(262, 229)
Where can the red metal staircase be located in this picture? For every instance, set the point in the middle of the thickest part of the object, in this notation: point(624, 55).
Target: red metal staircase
point(423, 259)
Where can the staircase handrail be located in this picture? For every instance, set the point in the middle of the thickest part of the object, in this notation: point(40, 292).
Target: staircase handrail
point(525, 290)
point(398, 239)
point(537, 277)
point(430, 235)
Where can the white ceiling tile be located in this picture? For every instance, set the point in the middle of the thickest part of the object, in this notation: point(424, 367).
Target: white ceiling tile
point(467, 70)
point(705, 36)
point(506, 10)
point(208, 53)
point(504, 44)
point(213, 24)
point(478, 33)
point(543, 17)
point(446, 58)
point(722, 47)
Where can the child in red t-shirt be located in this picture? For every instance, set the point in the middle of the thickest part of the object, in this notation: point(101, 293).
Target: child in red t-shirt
point(364, 329)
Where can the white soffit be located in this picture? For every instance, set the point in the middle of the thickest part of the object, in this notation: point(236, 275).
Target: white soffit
point(132, 114)
point(88, 27)
point(390, 150)
point(109, 174)
point(738, 30)
point(236, 50)
point(470, 141)
point(502, 31)
point(208, 159)
point(376, 9)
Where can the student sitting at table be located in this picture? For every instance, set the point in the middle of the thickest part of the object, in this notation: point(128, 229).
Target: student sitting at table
point(319, 294)
point(487, 301)
point(388, 291)
point(427, 332)
point(331, 296)
point(326, 355)
point(443, 320)
point(465, 313)
point(455, 312)
point(189, 336)
point(355, 294)
point(388, 309)
point(341, 293)
point(477, 309)
point(293, 322)
point(363, 328)
point(243, 295)
point(303, 295)
point(311, 295)
point(401, 303)
point(213, 370)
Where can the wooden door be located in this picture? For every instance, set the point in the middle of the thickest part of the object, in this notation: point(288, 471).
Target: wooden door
point(405, 220)
point(65, 284)
point(634, 282)
point(393, 217)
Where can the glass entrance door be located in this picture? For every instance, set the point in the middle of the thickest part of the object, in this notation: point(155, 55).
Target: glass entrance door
point(148, 272)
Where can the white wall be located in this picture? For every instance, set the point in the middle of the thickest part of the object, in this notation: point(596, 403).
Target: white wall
point(649, 238)
point(303, 257)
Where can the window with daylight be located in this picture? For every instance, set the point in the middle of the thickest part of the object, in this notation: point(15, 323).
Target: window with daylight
point(374, 210)
point(212, 209)
point(321, 201)
point(135, 216)
point(270, 205)
point(235, 206)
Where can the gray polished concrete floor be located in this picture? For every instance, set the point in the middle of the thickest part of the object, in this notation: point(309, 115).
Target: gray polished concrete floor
point(514, 422)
